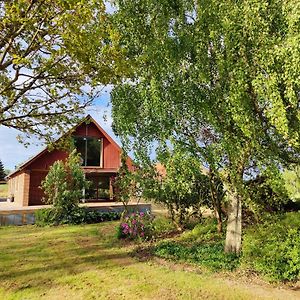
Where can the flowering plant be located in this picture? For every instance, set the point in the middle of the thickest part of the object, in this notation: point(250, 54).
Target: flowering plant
point(136, 225)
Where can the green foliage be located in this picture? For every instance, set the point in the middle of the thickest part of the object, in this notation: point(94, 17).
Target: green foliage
point(54, 55)
point(162, 226)
point(211, 257)
point(273, 248)
point(183, 189)
point(82, 215)
point(63, 188)
point(2, 172)
point(122, 183)
point(266, 194)
point(50, 216)
point(202, 246)
point(44, 217)
point(292, 182)
point(205, 231)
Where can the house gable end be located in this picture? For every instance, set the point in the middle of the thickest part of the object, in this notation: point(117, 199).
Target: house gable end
point(87, 127)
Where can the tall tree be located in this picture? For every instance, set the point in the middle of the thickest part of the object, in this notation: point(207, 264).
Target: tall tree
point(2, 172)
point(221, 78)
point(53, 57)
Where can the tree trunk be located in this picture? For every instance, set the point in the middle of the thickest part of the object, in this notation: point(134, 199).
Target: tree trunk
point(234, 224)
point(219, 220)
point(216, 202)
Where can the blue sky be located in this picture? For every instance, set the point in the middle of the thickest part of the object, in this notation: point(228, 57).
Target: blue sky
point(13, 153)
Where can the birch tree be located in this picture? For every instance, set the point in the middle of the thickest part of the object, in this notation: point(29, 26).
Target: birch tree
point(217, 69)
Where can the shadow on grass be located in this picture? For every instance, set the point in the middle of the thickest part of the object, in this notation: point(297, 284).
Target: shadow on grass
point(40, 260)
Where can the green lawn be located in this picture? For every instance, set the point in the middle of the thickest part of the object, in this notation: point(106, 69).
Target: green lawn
point(3, 190)
point(87, 262)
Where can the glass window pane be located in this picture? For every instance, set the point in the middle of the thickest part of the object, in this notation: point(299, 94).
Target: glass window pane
point(93, 152)
point(79, 143)
point(90, 150)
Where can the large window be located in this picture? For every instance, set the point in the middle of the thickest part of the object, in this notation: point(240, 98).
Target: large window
point(90, 150)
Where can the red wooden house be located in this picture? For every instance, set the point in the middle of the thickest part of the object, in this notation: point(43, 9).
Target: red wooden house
point(101, 159)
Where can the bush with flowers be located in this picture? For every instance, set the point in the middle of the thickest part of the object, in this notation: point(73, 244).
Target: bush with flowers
point(136, 225)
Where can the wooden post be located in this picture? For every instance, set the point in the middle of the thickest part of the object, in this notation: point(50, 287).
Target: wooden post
point(97, 188)
point(26, 188)
point(111, 190)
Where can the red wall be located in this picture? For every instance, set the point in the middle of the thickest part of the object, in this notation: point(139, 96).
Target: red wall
point(38, 168)
point(111, 154)
point(47, 159)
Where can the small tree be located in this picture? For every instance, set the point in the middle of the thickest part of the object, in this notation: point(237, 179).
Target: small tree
point(2, 172)
point(63, 188)
point(122, 183)
point(184, 189)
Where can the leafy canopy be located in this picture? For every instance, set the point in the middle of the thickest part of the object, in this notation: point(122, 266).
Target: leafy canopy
point(53, 57)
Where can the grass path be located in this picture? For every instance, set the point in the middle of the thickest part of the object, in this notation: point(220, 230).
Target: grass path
point(87, 262)
point(3, 190)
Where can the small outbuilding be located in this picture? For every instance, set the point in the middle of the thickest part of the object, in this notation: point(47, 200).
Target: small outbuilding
point(101, 160)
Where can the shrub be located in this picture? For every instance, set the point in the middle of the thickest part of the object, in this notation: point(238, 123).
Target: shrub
point(44, 217)
point(63, 188)
point(162, 226)
point(82, 215)
point(50, 216)
point(136, 226)
point(97, 217)
point(181, 184)
point(273, 248)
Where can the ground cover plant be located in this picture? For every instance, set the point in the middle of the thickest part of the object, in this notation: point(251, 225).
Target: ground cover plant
point(270, 249)
point(273, 247)
point(89, 262)
point(202, 246)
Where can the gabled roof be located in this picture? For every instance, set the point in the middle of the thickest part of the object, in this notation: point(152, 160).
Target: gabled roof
point(89, 119)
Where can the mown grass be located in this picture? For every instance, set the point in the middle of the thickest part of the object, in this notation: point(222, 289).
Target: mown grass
point(88, 262)
point(3, 190)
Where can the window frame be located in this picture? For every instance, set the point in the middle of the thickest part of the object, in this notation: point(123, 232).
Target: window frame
point(85, 139)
